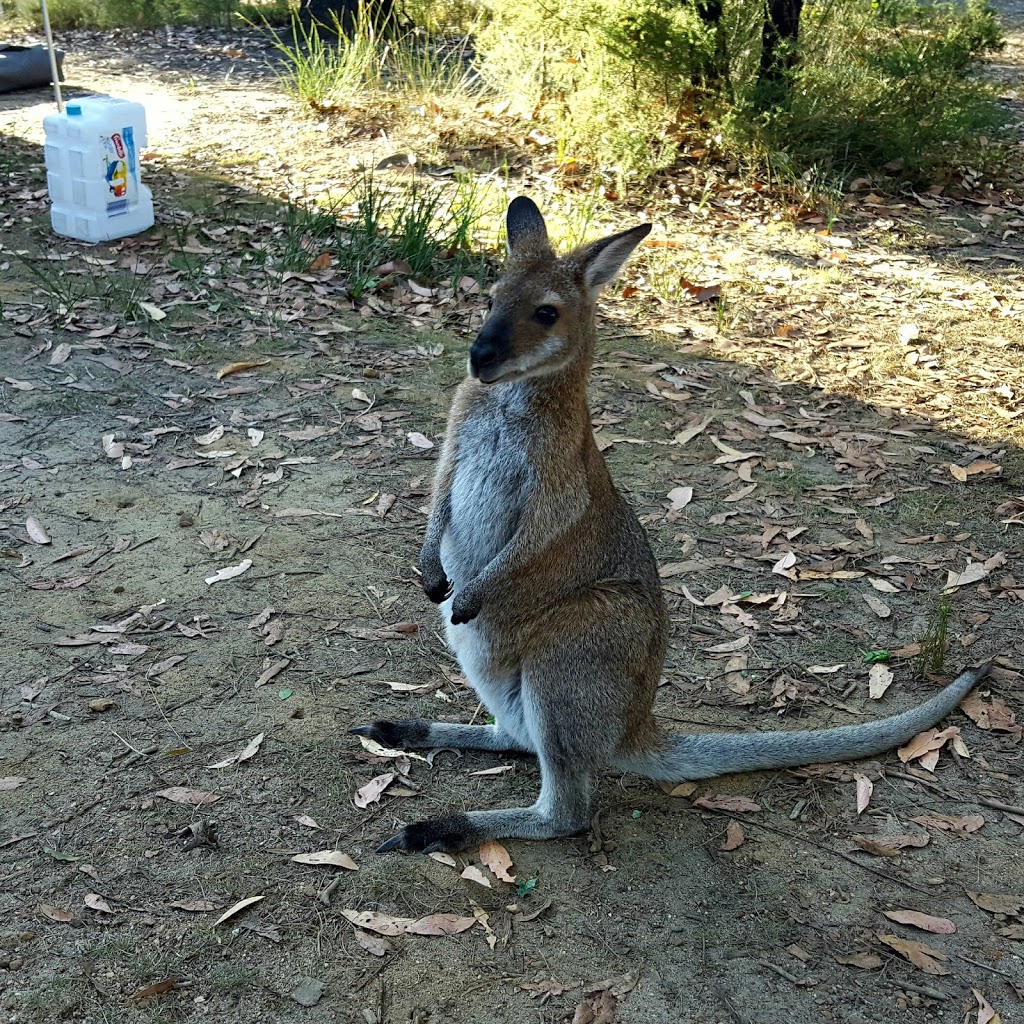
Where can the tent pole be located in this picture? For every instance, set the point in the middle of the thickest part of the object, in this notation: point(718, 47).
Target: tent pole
point(54, 73)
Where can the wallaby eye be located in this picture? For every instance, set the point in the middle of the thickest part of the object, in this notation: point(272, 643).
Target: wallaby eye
point(545, 315)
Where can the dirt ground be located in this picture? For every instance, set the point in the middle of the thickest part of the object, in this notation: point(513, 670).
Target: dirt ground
point(848, 419)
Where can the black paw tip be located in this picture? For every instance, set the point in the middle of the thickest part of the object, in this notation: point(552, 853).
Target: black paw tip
point(439, 592)
point(440, 835)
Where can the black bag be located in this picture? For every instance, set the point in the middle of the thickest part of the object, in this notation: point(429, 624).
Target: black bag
point(26, 67)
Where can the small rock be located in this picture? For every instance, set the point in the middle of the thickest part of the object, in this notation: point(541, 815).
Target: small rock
point(308, 992)
point(101, 704)
point(186, 520)
point(16, 965)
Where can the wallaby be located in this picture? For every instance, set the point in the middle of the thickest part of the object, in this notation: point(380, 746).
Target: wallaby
point(548, 587)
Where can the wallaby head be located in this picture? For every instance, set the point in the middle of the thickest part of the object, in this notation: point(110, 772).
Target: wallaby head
point(542, 309)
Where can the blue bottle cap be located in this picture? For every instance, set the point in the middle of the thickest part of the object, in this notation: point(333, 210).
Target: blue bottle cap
point(73, 110)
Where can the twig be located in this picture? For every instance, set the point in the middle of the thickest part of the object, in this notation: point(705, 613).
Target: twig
point(998, 805)
point(987, 967)
point(380, 970)
point(835, 853)
point(781, 971)
point(733, 1012)
point(921, 990)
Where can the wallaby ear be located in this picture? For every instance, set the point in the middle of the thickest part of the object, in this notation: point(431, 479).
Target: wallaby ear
point(523, 218)
point(602, 260)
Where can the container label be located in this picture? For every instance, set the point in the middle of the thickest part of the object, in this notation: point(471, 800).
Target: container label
point(120, 171)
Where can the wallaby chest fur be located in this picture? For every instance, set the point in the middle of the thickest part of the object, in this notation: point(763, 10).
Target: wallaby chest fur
point(547, 585)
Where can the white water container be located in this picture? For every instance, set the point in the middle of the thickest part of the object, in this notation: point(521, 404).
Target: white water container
point(92, 169)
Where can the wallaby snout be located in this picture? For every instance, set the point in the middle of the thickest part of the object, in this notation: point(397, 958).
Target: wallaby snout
point(490, 350)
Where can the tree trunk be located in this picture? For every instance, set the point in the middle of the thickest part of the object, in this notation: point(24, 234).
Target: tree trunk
point(323, 13)
point(716, 70)
point(778, 47)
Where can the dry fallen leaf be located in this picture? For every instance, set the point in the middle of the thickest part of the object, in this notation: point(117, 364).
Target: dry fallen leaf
point(865, 787)
point(9, 782)
point(193, 906)
point(158, 988)
point(226, 371)
point(181, 795)
point(734, 837)
point(680, 497)
point(56, 913)
point(880, 679)
point(925, 744)
point(554, 988)
point(473, 874)
point(496, 858)
point(996, 715)
point(682, 789)
point(384, 924)
point(373, 944)
point(890, 846)
point(96, 902)
point(35, 531)
point(229, 572)
point(244, 754)
point(733, 804)
point(863, 961)
point(372, 791)
point(963, 825)
point(237, 909)
point(920, 955)
point(927, 923)
point(331, 858)
point(986, 1015)
point(418, 440)
point(877, 605)
point(997, 903)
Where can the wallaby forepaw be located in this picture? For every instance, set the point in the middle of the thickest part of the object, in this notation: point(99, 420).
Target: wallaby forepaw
point(439, 835)
point(465, 608)
point(409, 732)
point(438, 591)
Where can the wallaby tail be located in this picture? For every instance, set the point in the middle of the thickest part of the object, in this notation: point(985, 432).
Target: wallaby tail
point(705, 755)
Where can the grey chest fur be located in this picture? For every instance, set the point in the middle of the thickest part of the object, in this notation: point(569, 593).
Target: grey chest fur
point(492, 482)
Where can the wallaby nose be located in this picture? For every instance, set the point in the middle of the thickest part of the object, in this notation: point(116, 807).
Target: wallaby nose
point(484, 356)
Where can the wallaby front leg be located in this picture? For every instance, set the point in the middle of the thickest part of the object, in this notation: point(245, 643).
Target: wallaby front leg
point(534, 533)
point(562, 809)
point(434, 579)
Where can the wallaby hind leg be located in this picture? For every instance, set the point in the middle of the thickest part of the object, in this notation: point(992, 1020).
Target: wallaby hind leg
point(568, 751)
point(417, 733)
point(562, 809)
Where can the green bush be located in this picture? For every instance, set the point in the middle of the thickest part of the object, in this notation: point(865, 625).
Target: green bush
point(622, 82)
point(70, 14)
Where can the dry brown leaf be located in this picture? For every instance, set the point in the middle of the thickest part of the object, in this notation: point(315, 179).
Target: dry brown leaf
point(890, 846)
point(96, 902)
point(271, 669)
point(931, 741)
point(998, 903)
point(554, 988)
point(473, 874)
point(682, 789)
point(877, 605)
point(996, 715)
point(441, 924)
point(418, 440)
point(372, 791)
point(181, 795)
point(927, 923)
point(879, 680)
point(921, 956)
point(248, 751)
point(193, 906)
point(237, 909)
point(484, 920)
point(734, 837)
point(158, 988)
point(986, 1015)
point(35, 531)
point(332, 858)
point(56, 913)
point(725, 802)
point(863, 961)
point(496, 858)
point(689, 432)
point(500, 770)
point(373, 944)
point(865, 787)
point(226, 371)
point(963, 825)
